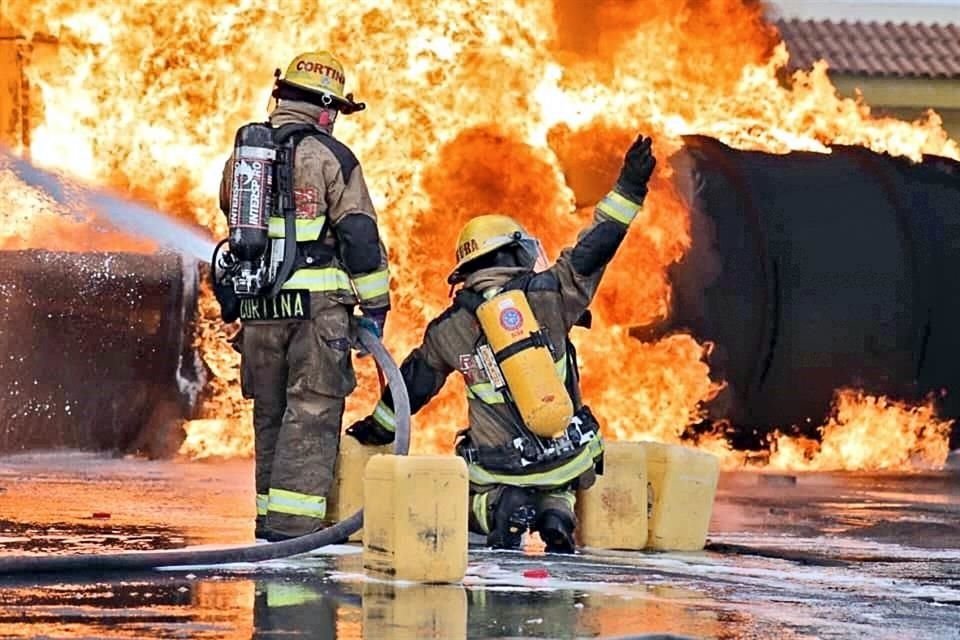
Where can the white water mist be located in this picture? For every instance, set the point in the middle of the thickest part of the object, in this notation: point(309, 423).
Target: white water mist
point(135, 219)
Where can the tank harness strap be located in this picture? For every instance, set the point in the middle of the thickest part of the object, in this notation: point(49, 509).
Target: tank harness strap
point(536, 339)
point(314, 253)
point(522, 452)
point(287, 208)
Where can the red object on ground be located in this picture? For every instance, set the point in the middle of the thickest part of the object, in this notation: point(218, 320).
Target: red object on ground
point(101, 515)
point(536, 573)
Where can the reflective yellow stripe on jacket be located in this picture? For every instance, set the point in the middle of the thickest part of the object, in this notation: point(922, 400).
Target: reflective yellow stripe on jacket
point(563, 474)
point(385, 417)
point(372, 285)
point(307, 230)
point(296, 504)
point(262, 501)
point(322, 279)
point(617, 207)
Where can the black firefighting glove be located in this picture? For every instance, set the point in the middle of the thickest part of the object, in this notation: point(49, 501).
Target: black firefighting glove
point(638, 164)
point(369, 432)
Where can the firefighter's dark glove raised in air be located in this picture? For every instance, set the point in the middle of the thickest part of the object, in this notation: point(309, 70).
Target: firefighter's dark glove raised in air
point(638, 164)
point(369, 432)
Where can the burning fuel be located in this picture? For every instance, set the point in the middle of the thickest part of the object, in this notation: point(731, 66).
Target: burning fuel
point(473, 106)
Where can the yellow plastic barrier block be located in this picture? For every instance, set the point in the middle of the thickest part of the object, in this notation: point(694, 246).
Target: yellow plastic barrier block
point(612, 514)
point(417, 612)
point(415, 517)
point(346, 495)
point(682, 487)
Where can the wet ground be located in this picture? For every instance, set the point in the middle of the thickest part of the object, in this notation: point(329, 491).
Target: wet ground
point(842, 556)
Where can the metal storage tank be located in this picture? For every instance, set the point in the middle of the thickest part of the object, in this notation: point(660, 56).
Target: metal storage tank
point(97, 348)
point(811, 272)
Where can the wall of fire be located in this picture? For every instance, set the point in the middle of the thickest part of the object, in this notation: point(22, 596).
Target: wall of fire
point(792, 384)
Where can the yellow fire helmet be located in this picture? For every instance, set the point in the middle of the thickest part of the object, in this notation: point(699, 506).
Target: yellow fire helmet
point(487, 233)
point(320, 73)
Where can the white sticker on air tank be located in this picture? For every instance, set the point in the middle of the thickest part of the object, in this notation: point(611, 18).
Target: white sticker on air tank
point(505, 304)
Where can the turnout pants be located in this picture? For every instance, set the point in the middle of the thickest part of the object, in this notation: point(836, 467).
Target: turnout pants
point(484, 502)
point(298, 373)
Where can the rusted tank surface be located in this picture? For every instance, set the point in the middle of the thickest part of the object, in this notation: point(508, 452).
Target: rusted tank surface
point(95, 348)
point(811, 272)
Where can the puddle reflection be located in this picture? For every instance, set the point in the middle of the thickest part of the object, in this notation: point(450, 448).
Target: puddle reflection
point(312, 607)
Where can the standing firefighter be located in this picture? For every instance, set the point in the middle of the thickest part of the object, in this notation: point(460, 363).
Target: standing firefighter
point(531, 442)
point(304, 251)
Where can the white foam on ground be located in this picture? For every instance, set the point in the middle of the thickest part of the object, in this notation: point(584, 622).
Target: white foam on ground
point(838, 546)
point(297, 562)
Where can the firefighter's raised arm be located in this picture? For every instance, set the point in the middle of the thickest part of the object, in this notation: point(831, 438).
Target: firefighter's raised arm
point(581, 267)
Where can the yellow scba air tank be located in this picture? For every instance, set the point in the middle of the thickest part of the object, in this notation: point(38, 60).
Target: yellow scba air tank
point(525, 361)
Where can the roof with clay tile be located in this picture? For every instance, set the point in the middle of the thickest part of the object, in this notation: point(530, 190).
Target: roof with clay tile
point(875, 48)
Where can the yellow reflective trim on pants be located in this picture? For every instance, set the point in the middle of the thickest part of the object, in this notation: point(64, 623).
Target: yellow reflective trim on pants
point(485, 393)
point(262, 504)
point(617, 207)
point(307, 229)
point(372, 285)
point(321, 279)
point(297, 504)
point(479, 507)
point(289, 595)
point(385, 417)
point(563, 474)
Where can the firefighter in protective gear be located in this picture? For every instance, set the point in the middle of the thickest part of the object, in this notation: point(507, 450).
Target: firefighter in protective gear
point(518, 479)
point(298, 370)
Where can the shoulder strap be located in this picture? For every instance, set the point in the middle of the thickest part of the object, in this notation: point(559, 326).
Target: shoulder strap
point(298, 132)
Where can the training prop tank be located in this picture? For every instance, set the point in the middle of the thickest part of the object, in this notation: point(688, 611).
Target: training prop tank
point(97, 350)
point(415, 517)
point(811, 272)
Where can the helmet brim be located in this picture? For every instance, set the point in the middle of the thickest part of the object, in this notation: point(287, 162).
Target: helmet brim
point(336, 102)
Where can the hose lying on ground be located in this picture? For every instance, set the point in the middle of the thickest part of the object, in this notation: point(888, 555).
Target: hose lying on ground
point(256, 553)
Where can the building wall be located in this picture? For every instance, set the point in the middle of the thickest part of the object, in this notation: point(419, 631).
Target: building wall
point(907, 98)
point(927, 11)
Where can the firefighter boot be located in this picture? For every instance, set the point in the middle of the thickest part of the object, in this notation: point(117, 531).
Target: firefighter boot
point(556, 530)
point(512, 517)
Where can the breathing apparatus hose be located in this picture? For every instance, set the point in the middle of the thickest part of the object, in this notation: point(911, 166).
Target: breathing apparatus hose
point(137, 560)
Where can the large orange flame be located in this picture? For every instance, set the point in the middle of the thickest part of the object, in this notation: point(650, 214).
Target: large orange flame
point(519, 107)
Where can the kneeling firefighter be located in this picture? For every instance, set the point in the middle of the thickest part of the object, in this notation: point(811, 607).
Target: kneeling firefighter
point(531, 442)
point(304, 251)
